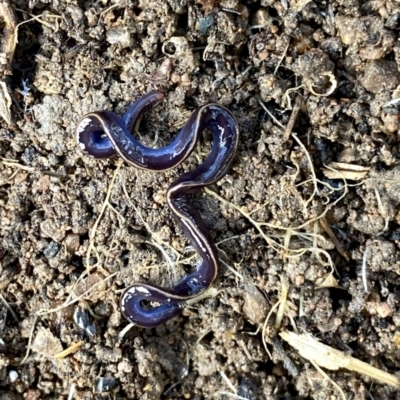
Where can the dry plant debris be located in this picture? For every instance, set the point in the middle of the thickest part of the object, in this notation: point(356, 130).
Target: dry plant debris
point(8, 41)
point(7, 49)
point(352, 172)
point(5, 103)
point(333, 359)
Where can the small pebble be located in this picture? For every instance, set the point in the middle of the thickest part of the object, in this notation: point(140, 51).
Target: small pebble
point(255, 304)
point(13, 376)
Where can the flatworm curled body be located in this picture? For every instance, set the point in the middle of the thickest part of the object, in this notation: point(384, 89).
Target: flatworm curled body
point(103, 134)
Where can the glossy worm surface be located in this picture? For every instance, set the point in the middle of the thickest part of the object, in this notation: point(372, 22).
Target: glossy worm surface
point(103, 134)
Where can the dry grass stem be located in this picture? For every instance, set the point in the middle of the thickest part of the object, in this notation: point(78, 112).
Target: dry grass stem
point(231, 395)
point(282, 56)
point(28, 348)
point(330, 358)
point(336, 170)
point(242, 344)
point(381, 209)
point(276, 305)
point(5, 102)
point(125, 331)
point(13, 163)
point(282, 305)
point(71, 391)
point(338, 245)
point(203, 335)
point(9, 308)
point(71, 349)
point(38, 18)
point(364, 269)
point(7, 47)
point(228, 382)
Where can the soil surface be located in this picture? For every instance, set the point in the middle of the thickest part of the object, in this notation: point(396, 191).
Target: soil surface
point(306, 222)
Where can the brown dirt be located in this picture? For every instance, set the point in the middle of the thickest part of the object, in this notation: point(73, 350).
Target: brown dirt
point(308, 81)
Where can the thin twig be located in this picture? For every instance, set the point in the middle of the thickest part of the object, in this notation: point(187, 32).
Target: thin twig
point(292, 119)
